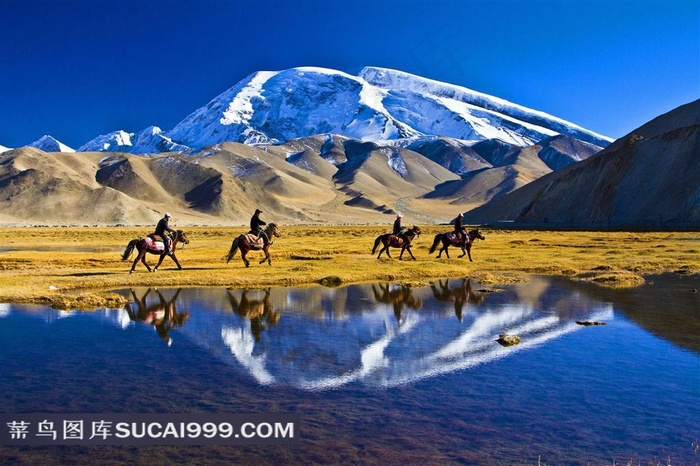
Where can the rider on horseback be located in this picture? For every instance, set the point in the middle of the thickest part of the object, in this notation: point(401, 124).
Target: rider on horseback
point(398, 229)
point(161, 230)
point(460, 232)
point(256, 227)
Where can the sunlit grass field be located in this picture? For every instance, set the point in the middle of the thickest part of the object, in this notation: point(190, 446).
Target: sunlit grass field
point(77, 267)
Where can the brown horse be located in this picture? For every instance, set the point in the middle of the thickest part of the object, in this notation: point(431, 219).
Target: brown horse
point(164, 316)
point(399, 298)
point(459, 296)
point(149, 245)
point(454, 239)
point(250, 242)
point(260, 312)
point(390, 240)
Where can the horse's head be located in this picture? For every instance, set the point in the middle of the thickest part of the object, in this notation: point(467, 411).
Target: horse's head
point(416, 231)
point(181, 237)
point(272, 230)
point(476, 234)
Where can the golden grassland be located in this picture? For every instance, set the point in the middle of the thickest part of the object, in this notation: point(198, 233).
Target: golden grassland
point(74, 267)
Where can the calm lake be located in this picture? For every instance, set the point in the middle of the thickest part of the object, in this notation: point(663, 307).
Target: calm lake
point(377, 373)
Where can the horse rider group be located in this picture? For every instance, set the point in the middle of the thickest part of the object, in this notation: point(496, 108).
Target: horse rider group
point(256, 224)
point(256, 228)
point(459, 231)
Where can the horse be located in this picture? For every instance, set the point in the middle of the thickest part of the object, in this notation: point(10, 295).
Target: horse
point(149, 245)
point(459, 296)
point(399, 298)
point(395, 241)
point(164, 316)
point(260, 312)
point(250, 242)
point(453, 239)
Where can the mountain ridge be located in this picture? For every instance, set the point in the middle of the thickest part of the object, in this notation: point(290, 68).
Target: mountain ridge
point(649, 178)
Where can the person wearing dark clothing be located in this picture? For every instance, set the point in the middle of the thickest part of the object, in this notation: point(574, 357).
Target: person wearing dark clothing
point(398, 230)
point(162, 230)
point(459, 230)
point(397, 225)
point(256, 225)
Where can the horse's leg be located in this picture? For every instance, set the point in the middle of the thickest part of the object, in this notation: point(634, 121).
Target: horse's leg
point(172, 256)
point(139, 256)
point(243, 254)
point(143, 259)
point(266, 258)
point(160, 261)
point(402, 250)
point(387, 252)
point(380, 251)
point(446, 248)
point(411, 253)
point(464, 252)
point(469, 252)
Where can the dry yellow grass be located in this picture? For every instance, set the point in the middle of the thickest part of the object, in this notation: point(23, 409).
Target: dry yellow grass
point(76, 267)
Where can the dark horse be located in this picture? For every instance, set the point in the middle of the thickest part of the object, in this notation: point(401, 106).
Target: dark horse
point(260, 312)
point(459, 296)
point(164, 316)
point(390, 240)
point(399, 297)
point(250, 242)
point(149, 245)
point(453, 239)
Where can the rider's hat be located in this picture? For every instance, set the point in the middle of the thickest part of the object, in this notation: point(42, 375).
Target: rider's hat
point(461, 214)
point(399, 215)
point(167, 215)
point(258, 211)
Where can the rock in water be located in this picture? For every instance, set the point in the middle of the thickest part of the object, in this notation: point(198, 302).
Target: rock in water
point(508, 340)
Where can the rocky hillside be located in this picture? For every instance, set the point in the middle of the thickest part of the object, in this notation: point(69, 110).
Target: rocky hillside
point(649, 178)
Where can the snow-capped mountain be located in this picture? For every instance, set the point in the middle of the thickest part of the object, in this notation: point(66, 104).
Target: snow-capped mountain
point(433, 107)
point(50, 144)
point(116, 141)
point(152, 140)
point(377, 105)
point(4, 149)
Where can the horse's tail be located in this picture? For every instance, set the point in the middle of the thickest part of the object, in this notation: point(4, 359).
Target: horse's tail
point(129, 249)
point(376, 243)
point(232, 252)
point(438, 237)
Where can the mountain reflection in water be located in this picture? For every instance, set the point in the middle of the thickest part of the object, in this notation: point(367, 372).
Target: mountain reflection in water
point(380, 334)
point(570, 393)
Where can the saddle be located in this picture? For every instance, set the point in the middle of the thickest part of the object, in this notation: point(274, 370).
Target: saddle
point(396, 241)
point(156, 242)
point(455, 237)
point(255, 242)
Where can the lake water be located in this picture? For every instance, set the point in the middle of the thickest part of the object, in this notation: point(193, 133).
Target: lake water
point(377, 373)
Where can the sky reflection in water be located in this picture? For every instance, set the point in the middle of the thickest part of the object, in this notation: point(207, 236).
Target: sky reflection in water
point(376, 353)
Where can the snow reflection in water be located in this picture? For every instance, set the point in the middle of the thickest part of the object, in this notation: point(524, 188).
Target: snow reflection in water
point(380, 335)
point(571, 393)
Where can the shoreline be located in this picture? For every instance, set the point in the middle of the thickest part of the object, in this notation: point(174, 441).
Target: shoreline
point(76, 267)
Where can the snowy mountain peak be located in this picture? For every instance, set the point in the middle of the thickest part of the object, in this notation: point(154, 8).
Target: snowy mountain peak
point(116, 141)
point(50, 144)
point(469, 103)
point(270, 107)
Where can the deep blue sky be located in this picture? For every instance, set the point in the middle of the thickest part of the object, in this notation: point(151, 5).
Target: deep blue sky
point(78, 69)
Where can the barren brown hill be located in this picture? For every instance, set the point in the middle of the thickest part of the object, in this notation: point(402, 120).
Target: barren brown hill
point(650, 178)
point(319, 179)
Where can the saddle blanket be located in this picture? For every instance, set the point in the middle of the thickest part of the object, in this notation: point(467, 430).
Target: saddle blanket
point(255, 242)
point(454, 237)
point(155, 243)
